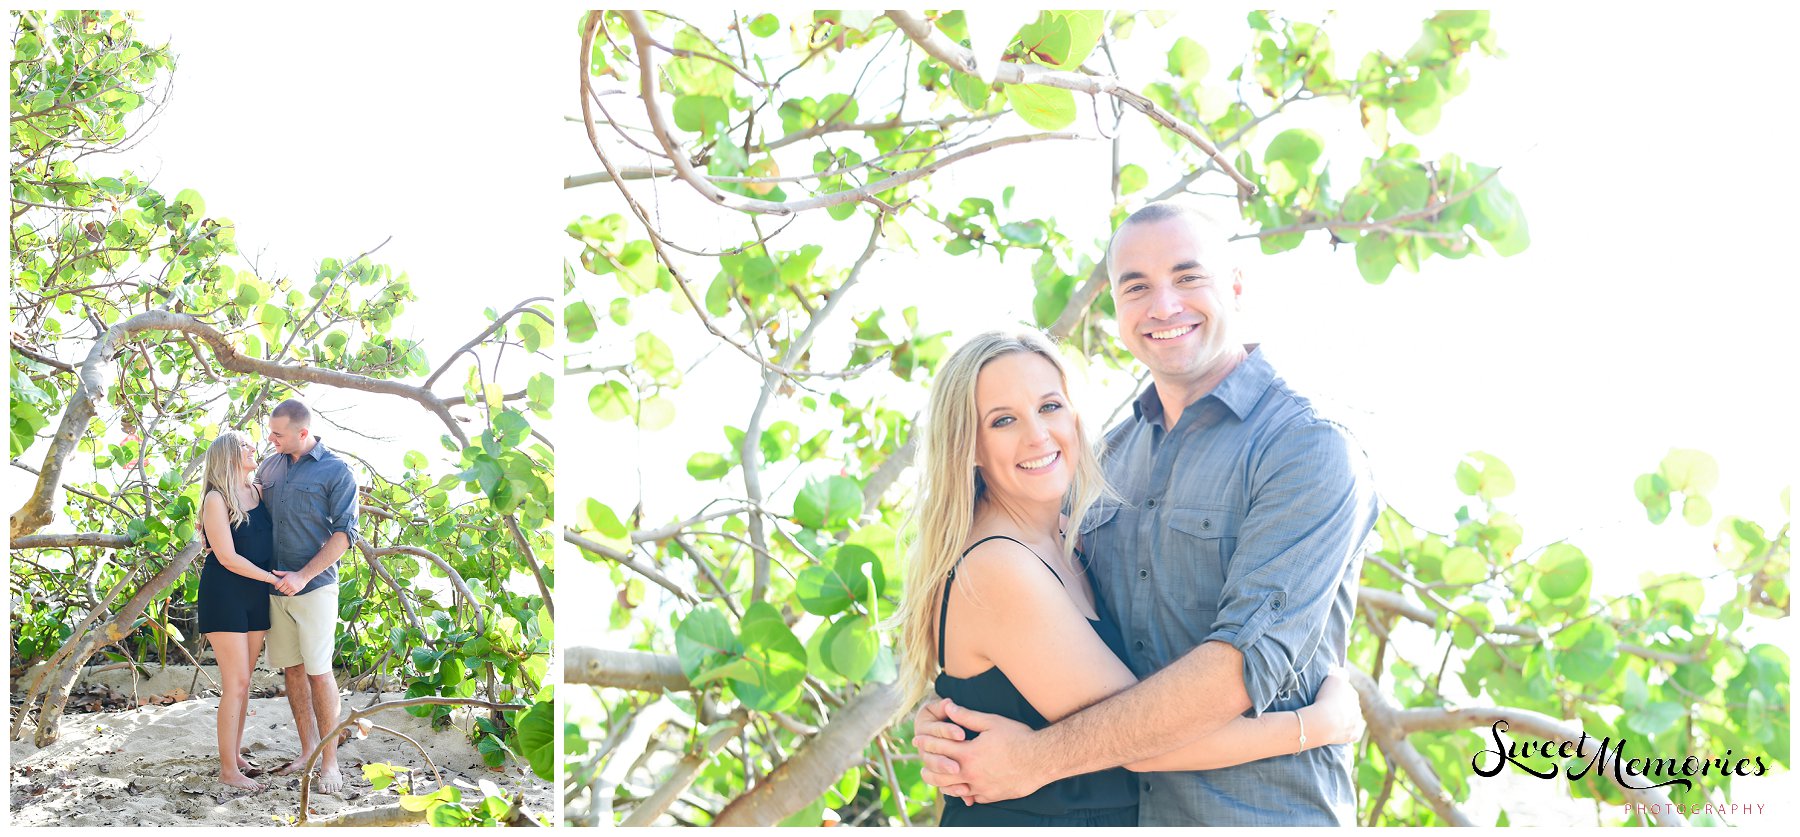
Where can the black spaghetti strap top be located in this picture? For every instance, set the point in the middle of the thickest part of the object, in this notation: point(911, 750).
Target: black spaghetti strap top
point(1072, 801)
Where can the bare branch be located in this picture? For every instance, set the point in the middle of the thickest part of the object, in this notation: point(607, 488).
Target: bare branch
point(74, 539)
point(960, 58)
point(634, 670)
point(818, 763)
point(498, 323)
point(625, 560)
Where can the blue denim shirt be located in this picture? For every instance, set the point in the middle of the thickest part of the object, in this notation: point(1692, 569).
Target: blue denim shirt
point(1243, 524)
point(309, 499)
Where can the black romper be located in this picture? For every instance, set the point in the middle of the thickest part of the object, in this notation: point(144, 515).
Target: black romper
point(232, 603)
point(1105, 798)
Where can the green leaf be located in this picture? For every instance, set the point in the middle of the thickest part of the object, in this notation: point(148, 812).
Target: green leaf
point(1696, 510)
point(831, 503)
point(708, 466)
point(1485, 476)
point(704, 641)
point(850, 647)
point(1044, 108)
point(1132, 178)
point(610, 401)
point(1656, 718)
point(1375, 259)
point(1295, 145)
point(1188, 59)
point(1563, 572)
point(579, 319)
point(1464, 566)
point(704, 115)
point(764, 25)
point(822, 591)
point(1690, 471)
point(777, 658)
point(536, 737)
point(192, 200)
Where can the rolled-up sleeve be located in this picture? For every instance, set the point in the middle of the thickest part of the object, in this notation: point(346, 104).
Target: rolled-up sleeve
point(341, 505)
point(1312, 507)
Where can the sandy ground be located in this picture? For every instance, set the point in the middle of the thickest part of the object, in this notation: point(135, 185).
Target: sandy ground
point(158, 764)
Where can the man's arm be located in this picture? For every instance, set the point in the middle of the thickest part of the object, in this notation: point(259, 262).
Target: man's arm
point(1312, 506)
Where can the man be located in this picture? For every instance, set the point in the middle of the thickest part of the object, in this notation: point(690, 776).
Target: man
point(312, 498)
point(1231, 565)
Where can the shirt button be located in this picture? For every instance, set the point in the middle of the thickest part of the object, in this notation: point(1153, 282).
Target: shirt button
point(1146, 787)
point(1151, 502)
point(1139, 645)
point(1143, 573)
point(1206, 524)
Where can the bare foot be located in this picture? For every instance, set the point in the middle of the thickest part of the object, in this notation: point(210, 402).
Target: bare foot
point(239, 781)
point(330, 780)
point(295, 766)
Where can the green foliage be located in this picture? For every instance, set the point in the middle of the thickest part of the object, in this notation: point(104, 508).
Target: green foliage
point(1662, 666)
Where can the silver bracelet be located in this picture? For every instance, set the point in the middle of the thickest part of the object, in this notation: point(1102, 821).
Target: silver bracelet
point(1302, 720)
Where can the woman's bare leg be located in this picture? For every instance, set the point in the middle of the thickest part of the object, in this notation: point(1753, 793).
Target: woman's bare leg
point(253, 650)
point(232, 651)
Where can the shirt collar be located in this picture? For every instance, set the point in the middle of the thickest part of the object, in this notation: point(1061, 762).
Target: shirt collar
point(1239, 392)
point(318, 451)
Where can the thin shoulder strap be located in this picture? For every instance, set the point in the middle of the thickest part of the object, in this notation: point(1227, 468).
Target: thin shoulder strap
point(944, 606)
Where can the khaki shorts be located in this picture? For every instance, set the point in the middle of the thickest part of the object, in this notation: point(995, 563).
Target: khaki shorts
point(303, 629)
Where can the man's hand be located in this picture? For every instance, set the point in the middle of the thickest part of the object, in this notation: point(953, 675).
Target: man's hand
point(290, 583)
point(995, 766)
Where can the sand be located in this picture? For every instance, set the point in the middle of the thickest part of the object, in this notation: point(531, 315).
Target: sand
point(158, 764)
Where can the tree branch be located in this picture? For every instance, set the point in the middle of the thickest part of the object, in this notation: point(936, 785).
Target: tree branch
point(92, 375)
point(72, 539)
point(634, 670)
point(960, 58)
point(818, 763)
point(625, 560)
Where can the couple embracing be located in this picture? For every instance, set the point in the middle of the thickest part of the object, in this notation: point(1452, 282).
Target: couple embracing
point(275, 532)
point(1210, 549)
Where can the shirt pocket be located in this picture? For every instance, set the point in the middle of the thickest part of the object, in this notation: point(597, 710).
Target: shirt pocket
point(1198, 548)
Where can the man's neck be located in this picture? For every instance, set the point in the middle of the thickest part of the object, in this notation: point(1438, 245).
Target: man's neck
point(1176, 396)
point(305, 449)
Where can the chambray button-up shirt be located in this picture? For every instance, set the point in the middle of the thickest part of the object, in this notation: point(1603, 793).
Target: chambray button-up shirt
point(1245, 524)
point(309, 500)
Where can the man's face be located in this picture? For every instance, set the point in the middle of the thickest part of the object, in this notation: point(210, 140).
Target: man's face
point(286, 437)
point(1175, 296)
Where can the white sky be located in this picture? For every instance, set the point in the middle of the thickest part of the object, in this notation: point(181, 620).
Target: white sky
point(1651, 311)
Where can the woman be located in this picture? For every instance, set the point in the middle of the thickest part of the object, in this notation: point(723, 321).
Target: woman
point(1001, 610)
point(234, 587)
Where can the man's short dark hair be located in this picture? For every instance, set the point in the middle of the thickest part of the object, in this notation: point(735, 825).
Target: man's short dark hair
point(294, 410)
point(1165, 211)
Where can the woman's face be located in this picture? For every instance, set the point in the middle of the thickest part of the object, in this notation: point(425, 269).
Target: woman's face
point(1027, 437)
point(246, 456)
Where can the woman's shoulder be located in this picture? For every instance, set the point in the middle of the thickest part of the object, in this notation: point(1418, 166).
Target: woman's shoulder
point(1009, 564)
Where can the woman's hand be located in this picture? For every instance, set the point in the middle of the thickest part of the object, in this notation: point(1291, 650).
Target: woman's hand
point(1338, 709)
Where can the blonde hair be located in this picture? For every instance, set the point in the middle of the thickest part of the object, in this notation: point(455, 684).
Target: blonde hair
point(950, 488)
point(221, 473)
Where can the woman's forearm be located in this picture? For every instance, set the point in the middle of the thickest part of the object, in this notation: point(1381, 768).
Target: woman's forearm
point(242, 566)
point(1243, 740)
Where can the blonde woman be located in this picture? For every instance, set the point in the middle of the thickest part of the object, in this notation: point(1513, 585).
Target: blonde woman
point(1000, 614)
point(234, 587)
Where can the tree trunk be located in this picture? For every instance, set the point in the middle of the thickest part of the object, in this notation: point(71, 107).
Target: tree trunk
point(84, 645)
point(633, 670)
point(819, 762)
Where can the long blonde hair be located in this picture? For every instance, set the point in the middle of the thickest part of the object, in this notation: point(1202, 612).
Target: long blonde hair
point(950, 488)
point(222, 472)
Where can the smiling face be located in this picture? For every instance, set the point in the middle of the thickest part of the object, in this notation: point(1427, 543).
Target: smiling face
point(1175, 294)
point(286, 436)
point(247, 459)
point(1028, 436)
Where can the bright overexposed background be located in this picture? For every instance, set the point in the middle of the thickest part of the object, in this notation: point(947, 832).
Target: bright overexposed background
point(1653, 310)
